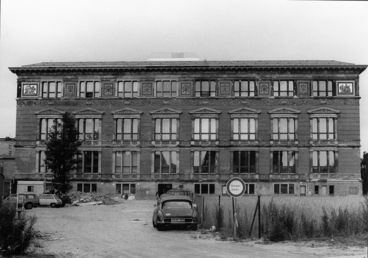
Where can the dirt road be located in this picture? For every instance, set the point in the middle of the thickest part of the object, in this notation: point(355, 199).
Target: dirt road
point(125, 230)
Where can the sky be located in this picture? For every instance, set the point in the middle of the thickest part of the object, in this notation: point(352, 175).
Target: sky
point(35, 31)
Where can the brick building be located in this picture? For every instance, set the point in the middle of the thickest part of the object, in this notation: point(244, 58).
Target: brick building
point(285, 127)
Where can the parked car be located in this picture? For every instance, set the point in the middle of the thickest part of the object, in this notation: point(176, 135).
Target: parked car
point(14, 199)
point(50, 200)
point(175, 210)
point(30, 200)
point(175, 191)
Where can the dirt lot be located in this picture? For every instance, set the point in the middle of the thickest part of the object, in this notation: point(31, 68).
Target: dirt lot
point(125, 230)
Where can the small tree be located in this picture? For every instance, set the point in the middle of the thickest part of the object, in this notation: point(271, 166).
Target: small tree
point(61, 149)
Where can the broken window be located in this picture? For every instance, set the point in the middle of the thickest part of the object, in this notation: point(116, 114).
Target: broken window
point(165, 162)
point(127, 129)
point(89, 129)
point(89, 89)
point(283, 161)
point(244, 89)
point(283, 88)
point(204, 162)
point(323, 89)
point(166, 88)
point(52, 89)
point(166, 129)
point(244, 162)
point(126, 162)
point(323, 128)
point(283, 128)
point(324, 161)
point(128, 89)
point(244, 129)
point(205, 88)
point(205, 129)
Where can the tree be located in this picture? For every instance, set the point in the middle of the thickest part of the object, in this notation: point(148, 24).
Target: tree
point(61, 150)
point(364, 172)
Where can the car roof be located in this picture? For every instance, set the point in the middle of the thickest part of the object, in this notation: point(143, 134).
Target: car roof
point(169, 197)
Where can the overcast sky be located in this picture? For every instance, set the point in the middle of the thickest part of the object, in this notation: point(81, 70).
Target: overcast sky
point(116, 30)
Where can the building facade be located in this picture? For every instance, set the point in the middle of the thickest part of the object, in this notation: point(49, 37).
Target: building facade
point(284, 127)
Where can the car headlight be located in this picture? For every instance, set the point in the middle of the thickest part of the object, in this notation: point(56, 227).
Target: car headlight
point(160, 216)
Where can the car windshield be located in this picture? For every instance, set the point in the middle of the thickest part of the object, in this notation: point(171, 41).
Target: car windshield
point(176, 205)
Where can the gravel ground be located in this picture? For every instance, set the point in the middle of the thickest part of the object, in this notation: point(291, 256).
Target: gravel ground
point(125, 230)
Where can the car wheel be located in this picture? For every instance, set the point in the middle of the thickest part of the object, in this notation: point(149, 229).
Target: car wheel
point(159, 228)
point(53, 205)
point(28, 206)
point(153, 223)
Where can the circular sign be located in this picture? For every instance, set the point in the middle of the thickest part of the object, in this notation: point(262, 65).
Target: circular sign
point(235, 187)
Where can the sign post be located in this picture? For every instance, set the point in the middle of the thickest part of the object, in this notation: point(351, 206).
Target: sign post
point(235, 187)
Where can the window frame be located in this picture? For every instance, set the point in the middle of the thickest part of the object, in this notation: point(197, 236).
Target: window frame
point(121, 92)
point(83, 91)
point(81, 162)
point(200, 92)
point(249, 166)
point(250, 136)
point(91, 186)
point(279, 187)
point(172, 157)
point(59, 89)
point(199, 188)
point(248, 92)
point(133, 169)
point(289, 93)
point(317, 92)
point(119, 188)
point(200, 132)
point(278, 135)
point(132, 135)
point(45, 134)
point(95, 136)
point(316, 135)
point(173, 136)
point(212, 170)
point(173, 91)
point(289, 169)
point(330, 169)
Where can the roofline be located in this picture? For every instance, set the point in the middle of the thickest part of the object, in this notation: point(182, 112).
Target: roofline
point(200, 66)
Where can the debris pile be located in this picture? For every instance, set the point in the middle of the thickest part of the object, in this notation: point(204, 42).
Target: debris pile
point(84, 199)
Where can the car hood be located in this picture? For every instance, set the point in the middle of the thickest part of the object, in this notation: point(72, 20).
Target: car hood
point(177, 212)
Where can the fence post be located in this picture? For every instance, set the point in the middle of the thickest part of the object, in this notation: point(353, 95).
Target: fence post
point(259, 217)
point(202, 210)
point(234, 218)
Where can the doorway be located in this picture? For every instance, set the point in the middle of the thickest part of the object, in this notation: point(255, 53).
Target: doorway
point(163, 188)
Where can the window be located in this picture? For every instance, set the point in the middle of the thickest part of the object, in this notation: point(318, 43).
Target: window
point(46, 125)
point(89, 129)
point(204, 188)
point(244, 89)
point(316, 189)
point(323, 128)
point(87, 187)
point(29, 90)
point(89, 89)
point(283, 88)
point(126, 162)
point(283, 188)
point(127, 129)
point(88, 162)
point(283, 128)
point(331, 189)
point(205, 129)
point(249, 188)
point(244, 162)
point(166, 88)
point(204, 162)
point(322, 89)
point(125, 189)
point(166, 129)
point(244, 129)
point(165, 162)
point(283, 161)
point(128, 89)
point(42, 168)
point(53, 89)
point(205, 88)
point(324, 161)
point(30, 188)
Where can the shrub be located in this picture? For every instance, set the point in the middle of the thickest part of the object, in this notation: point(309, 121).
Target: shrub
point(16, 233)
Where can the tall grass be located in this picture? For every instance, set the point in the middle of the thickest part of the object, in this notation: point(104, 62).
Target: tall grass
point(291, 218)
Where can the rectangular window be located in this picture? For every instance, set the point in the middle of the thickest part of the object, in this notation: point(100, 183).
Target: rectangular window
point(88, 162)
point(316, 189)
point(244, 129)
point(166, 89)
point(52, 89)
point(89, 129)
point(89, 89)
point(80, 187)
point(204, 188)
point(283, 161)
point(244, 162)
point(125, 189)
point(244, 89)
point(126, 162)
point(128, 89)
point(165, 162)
point(323, 128)
point(166, 129)
point(46, 125)
point(30, 188)
point(323, 89)
point(204, 162)
point(283, 88)
point(205, 89)
point(331, 190)
point(249, 188)
point(87, 187)
point(205, 129)
point(283, 188)
point(127, 129)
point(283, 129)
point(324, 161)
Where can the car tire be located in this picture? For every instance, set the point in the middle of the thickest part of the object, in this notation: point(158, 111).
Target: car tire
point(153, 224)
point(28, 206)
point(53, 205)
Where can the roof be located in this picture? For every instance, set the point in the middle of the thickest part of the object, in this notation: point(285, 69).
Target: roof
point(168, 197)
point(184, 65)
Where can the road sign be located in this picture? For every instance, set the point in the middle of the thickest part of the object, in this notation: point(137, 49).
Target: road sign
point(235, 187)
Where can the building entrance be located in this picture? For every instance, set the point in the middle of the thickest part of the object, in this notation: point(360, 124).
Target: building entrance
point(163, 188)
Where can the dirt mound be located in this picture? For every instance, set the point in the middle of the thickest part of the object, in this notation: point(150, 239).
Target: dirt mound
point(79, 198)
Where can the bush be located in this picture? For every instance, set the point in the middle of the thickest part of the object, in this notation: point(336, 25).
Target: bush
point(16, 234)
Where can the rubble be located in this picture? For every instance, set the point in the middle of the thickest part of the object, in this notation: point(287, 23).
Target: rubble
point(84, 199)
